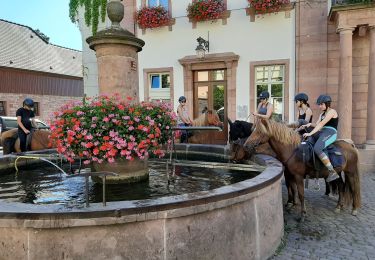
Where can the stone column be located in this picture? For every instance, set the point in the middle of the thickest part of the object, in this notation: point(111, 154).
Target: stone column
point(345, 91)
point(370, 134)
point(116, 51)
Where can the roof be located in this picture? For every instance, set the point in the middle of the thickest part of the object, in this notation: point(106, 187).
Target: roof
point(22, 48)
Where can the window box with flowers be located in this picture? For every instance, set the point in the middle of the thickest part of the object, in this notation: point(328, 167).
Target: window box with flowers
point(261, 7)
point(207, 10)
point(154, 17)
point(113, 134)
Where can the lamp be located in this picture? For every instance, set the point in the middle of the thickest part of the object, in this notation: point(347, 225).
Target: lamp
point(202, 47)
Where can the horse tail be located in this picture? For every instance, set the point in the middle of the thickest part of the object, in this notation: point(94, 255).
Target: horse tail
point(352, 188)
point(8, 145)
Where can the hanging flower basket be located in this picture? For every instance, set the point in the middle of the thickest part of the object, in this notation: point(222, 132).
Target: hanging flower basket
point(267, 6)
point(108, 128)
point(203, 10)
point(152, 17)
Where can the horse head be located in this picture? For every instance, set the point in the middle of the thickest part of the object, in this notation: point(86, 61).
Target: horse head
point(213, 118)
point(260, 135)
point(239, 130)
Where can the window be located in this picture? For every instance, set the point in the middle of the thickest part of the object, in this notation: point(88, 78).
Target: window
point(153, 3)
point(271, 79)
point(159, 86)
point(2, 108)
point(36, 109)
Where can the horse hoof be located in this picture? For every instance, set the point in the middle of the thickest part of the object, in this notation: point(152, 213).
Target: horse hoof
point(337, 210)
point(289, 205)
point(354, 212)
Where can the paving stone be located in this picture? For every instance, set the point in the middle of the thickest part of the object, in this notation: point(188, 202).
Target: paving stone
point(329, 235)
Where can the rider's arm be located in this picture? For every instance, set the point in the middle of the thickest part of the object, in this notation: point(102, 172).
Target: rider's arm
point(330, 114)
point(308, 114)
point(21, 125)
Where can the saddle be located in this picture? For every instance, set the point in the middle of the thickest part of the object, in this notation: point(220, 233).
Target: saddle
point(305, 152)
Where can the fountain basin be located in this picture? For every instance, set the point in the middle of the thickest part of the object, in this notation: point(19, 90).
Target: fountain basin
point(239, 221)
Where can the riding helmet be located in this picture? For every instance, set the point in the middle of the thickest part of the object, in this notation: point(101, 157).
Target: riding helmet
point(323, 99)
point(301, 97)
point(28, 102)
point(264, 94)
point(182, 98)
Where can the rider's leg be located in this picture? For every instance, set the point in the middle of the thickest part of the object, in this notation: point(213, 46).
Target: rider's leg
point(22, 136)
point(326, 137)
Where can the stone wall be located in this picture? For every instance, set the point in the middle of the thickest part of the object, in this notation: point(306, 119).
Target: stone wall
point(47, 104)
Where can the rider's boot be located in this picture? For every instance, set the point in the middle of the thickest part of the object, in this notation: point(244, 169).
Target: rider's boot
point(332, 173)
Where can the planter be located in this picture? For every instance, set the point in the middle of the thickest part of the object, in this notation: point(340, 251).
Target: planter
point(224, 16)
point(129, 171)
point(250, 11)
point(170, 24)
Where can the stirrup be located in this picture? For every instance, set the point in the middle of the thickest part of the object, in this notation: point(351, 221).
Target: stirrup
point(332, 176)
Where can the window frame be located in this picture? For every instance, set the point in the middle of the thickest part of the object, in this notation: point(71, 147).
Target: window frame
point(253, 84)
point(144, 3)
point(36, 108)
point(147, 82)
point(4, 107)
point(269, 82)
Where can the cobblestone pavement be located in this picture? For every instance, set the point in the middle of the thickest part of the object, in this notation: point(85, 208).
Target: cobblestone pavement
point(329, 235)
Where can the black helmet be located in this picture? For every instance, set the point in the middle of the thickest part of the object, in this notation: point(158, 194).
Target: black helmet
point(301, 97)
point(182, 98)
point(264, 94)
point(28, 102)
point(323, 99)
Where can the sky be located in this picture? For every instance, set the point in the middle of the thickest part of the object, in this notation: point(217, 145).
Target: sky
point(51, 17)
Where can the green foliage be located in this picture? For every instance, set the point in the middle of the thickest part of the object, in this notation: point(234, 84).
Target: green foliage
point(93, 9)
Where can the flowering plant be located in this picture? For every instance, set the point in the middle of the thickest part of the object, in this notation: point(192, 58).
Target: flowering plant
point(106, 128)
point(201, 10)
point(267, 6)
point(152, 17)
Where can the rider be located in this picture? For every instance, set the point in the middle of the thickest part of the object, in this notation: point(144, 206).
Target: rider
point(304, 110)
point(265, 108)
point(183, 118)
point(25, 120)
point(326, 129)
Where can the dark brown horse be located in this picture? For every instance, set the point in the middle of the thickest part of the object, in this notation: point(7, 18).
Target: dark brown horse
point(284, 142)
point(39, 141)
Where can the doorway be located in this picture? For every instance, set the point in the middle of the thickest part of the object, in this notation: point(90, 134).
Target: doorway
point(210, 93)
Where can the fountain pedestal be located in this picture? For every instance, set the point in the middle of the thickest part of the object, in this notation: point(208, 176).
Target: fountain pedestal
point(116, 51)
point(128, 171)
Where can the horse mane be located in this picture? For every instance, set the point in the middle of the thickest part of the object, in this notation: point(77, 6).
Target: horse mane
point(201, 120)
point(281, 132)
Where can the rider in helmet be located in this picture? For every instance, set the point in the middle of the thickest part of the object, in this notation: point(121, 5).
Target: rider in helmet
point(304, 110)
point(183, 118)
point(265, 108)
point(25, 120)
point(326, 133)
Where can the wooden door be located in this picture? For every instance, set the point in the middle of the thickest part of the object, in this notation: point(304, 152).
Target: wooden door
point(210, 94)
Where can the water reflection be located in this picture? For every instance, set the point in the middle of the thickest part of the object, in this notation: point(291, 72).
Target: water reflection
point(46, 185)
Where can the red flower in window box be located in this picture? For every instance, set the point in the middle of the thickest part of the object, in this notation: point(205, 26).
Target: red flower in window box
point(202, 10)
point(267, 6)
point(152, 17)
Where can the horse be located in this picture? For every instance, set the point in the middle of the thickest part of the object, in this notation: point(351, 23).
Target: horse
point(209, 118)
point(284, 142)
point(239, 131)
point(39, 141)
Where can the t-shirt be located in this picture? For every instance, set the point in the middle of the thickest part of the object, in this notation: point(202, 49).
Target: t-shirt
point(25, 115)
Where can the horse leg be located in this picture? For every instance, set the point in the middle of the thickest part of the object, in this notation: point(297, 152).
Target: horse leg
point(340, 203)
point(328, 189)
point(291, 190)
point(301, 195)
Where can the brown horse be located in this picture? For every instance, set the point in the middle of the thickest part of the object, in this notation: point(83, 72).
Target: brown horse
point(39, 141)
point(284, 142)
point(209, 118)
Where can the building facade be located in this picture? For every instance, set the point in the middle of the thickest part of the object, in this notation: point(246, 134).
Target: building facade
point(316, 47)
point(31, 67)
